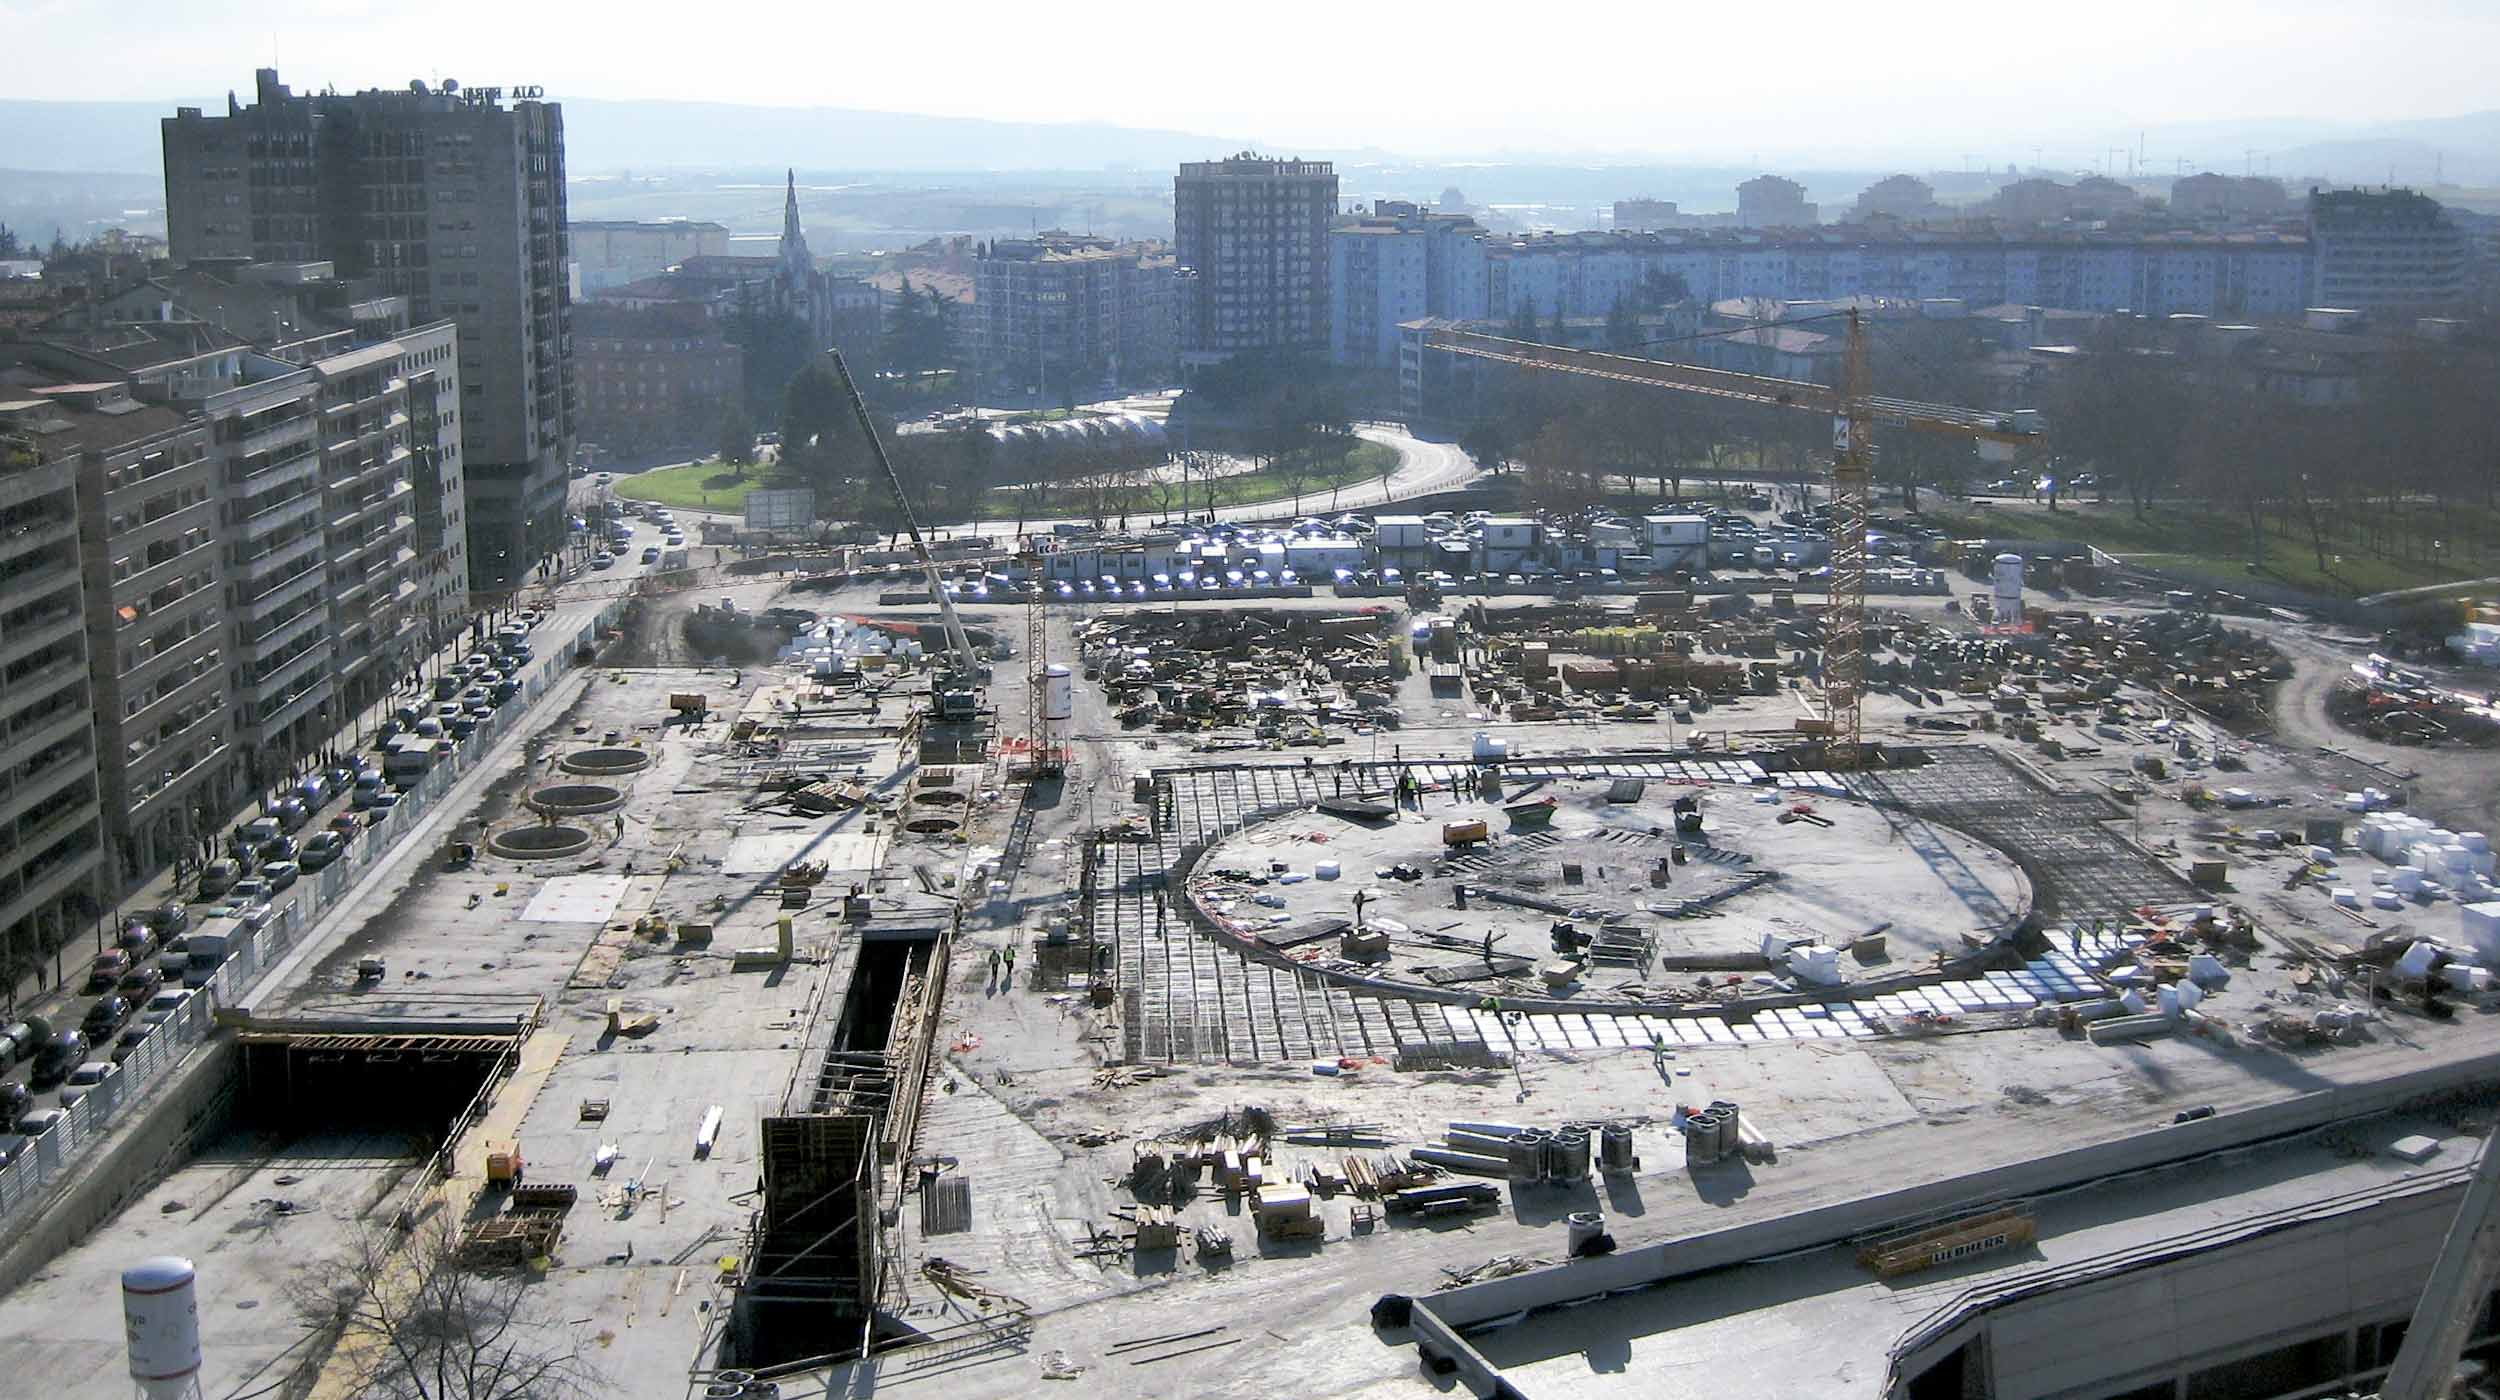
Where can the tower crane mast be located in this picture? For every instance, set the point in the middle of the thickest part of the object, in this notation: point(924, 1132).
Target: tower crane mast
point(1855, 409)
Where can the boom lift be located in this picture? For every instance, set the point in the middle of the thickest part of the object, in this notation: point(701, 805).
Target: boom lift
point(967, 666)
point(1855, 410)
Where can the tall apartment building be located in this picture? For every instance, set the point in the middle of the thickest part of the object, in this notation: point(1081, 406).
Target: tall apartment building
point(612, 252)
point(153, 585)
point(1770, 201)
point(1063, 311)
point(1252, 233)
point(452, 199)
point(50, 831)
point(1582, 274)
point(1393, 266)
point(2385, 250)
point(339, 499)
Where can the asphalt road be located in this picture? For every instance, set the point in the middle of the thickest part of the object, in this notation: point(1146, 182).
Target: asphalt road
point(1424, 467)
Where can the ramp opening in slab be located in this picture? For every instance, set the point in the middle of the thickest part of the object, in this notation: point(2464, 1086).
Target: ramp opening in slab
point(411, 1083)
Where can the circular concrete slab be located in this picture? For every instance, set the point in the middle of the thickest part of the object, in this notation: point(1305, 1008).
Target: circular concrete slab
point(1655, 910)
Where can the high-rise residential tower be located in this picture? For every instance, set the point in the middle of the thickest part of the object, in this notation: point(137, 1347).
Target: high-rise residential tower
point(1252, 238)
point(451, 197)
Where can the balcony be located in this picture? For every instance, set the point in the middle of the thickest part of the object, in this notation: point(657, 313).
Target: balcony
point(43, 880)
point(285, 591)
point(23, 641)
point(272, 441)
point(26, 701)
point(18, 540)
point(275, 685)
point(287, 633)
point(277, 561)
point(274, 720)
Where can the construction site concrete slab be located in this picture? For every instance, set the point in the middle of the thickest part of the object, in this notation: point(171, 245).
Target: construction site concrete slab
point(575, 899)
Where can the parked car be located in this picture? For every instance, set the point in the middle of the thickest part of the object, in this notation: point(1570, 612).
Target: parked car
point(128, 1043)
point(281, 875)
point(17, 1042)
point(83, 1080)
point(56, 1058)
point(218, 877)
point(323, 847)
point(41, 1121)
point(137, 939)
point(345, 826)
point(140, 983)
point(107, 969)
point(291, 814)
point(16, 1100)
point(603, 560)
point(251, 835)
point(168, 919)
point(106, 1016)
point(276, 848)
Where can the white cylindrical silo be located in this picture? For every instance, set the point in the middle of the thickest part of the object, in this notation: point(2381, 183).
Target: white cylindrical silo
point(1058, 693)
point(2008, 588)
point(162, 1316)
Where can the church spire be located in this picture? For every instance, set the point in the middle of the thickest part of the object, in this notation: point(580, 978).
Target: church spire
point(796, 263)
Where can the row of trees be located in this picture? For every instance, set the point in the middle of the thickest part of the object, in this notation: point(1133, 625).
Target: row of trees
point(2395, 453)
point(2391, 449)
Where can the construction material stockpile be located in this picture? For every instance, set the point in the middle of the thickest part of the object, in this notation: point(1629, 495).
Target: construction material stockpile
point(2076, 658)
point(1283, 675)
point(2397, 705)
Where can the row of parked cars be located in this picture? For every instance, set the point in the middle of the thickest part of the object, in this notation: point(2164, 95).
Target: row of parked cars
point(143, 979)
point(136, 995)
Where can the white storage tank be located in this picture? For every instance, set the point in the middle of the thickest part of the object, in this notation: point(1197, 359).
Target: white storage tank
point(2008, 588)
point(1058, 693)
point(161, 1314)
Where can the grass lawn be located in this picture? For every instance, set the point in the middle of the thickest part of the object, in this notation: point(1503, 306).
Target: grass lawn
point(694, 486)
point(2214, 547)
point(1366, 461)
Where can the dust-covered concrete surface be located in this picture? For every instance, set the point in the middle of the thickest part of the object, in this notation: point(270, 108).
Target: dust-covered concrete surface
point(1035, 1102)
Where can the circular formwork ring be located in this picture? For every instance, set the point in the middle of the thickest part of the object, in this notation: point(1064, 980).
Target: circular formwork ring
point(605, 762)
point(552, 842)
point(576, 799)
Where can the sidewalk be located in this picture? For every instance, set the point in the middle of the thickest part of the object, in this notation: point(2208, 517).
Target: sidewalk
point(54, 995)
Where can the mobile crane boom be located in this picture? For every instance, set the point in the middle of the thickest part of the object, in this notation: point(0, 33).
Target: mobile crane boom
point(967, 665)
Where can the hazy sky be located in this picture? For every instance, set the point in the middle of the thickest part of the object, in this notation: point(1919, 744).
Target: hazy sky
point(1652, 77)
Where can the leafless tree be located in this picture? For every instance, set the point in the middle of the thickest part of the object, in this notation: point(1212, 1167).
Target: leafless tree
point(412, 1322)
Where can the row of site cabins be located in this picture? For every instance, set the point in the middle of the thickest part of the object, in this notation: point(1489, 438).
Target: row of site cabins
point(1657, 544)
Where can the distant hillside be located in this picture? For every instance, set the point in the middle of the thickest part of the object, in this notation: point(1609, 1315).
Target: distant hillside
point(609, 135)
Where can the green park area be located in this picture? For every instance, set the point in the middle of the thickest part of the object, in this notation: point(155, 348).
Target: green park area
point(1172, 493)
point(2338, 553)
point(705, 485)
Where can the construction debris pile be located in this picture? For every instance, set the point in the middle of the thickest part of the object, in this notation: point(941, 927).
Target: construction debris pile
point(2082, 658)
point(1548, 663)
point(1286, 676)
point(2396, 705)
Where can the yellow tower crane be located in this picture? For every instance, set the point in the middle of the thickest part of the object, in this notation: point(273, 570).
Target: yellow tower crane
point(1855, 409)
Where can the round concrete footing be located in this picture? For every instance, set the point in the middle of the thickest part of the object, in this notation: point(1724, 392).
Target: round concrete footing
point(539, 842)
point(605, 762)
point(576, 799)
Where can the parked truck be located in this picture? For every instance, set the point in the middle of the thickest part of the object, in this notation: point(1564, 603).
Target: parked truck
point(410, 759)
point(672, 559)
point(207, 950)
